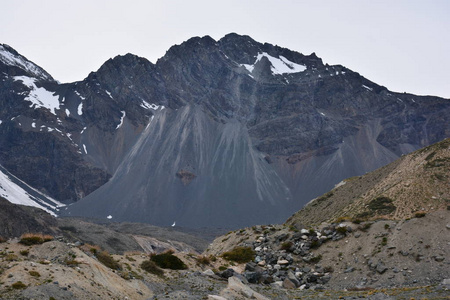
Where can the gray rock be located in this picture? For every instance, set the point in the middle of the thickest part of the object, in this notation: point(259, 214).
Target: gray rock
point(439, 258)
point(381, 268)
point(349, 270)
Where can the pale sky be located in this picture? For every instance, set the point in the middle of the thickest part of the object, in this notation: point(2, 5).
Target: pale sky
point(403, 45)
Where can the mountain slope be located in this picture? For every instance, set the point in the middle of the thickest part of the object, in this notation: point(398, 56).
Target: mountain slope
point(216, 133)
point(416, 183)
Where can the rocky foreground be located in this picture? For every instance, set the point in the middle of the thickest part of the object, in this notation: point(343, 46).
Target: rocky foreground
point(373, 260)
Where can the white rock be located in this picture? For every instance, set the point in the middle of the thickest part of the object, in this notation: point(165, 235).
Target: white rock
point(208, 272)
point(304, 231)
point(282, 262)
point(257, 249)
point(215, 297)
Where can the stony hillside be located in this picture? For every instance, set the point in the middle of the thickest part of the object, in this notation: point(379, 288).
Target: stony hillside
point(416, 183)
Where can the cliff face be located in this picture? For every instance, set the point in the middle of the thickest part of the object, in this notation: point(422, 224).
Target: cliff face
point(259, 129)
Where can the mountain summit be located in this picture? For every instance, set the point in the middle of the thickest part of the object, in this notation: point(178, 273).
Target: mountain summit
point(217, 133)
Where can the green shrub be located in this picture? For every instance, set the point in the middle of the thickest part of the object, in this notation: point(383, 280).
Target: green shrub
point(34, 274)
point(314, 244)
point(222, 268)
point(167, 260)
point(151, 267)
point(107, 260)
point(240, 254)
point(286, 246)
point(18, 285)
point(24, 252)
point(316, 259)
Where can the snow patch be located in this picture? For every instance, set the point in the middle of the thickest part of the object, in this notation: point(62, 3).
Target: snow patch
point(84, 147)
point(19, 61)
point(14, 193)
point(109, 94)
point(80, 109)
point(366, 87)
point(322, 113)
point(33, 125)
point(121, 119)
point(147, 105)
point(39, 97)
point(79, 95)
point(67, 112)
point(83, 130)
point(279, 66)
point(109, 217)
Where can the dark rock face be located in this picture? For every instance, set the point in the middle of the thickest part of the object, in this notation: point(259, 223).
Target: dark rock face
point(263, 129)
point(16, 220)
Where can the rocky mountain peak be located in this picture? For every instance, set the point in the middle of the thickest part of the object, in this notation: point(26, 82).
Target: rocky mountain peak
point(15, 64)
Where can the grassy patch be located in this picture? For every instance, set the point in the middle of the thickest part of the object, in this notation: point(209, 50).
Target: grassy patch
point(151, 267)
point(240, 254)
point(34, 274)
point(34, 239)
point(105, 258)
point(203, 260)
point(18, 285)
point(382, 205)
point(167, 260)
point(420, 214)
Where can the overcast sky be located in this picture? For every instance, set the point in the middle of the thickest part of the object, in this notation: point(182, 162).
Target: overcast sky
point(403, 45)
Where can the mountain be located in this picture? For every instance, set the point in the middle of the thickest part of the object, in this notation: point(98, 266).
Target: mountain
point(221, 133)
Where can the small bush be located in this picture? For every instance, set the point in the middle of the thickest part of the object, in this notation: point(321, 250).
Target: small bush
point(71, 262)
point(365, 227)
point(419, 214)
point(222, 268)
point(2, 239)
point(18, 285)
point(151, 267)
point(240, 254)
point(328, 269)
point(34, 274)
point(167, 260)
point(203, 260)
point(356, 221)
point(341, 229)
point(286, 246)
point(315, 244)
point(316, 259)
point(107, 260)
point(384, 241)
point(34, 239)
point(24, 252)
point(94, 249)
point(11, 257)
